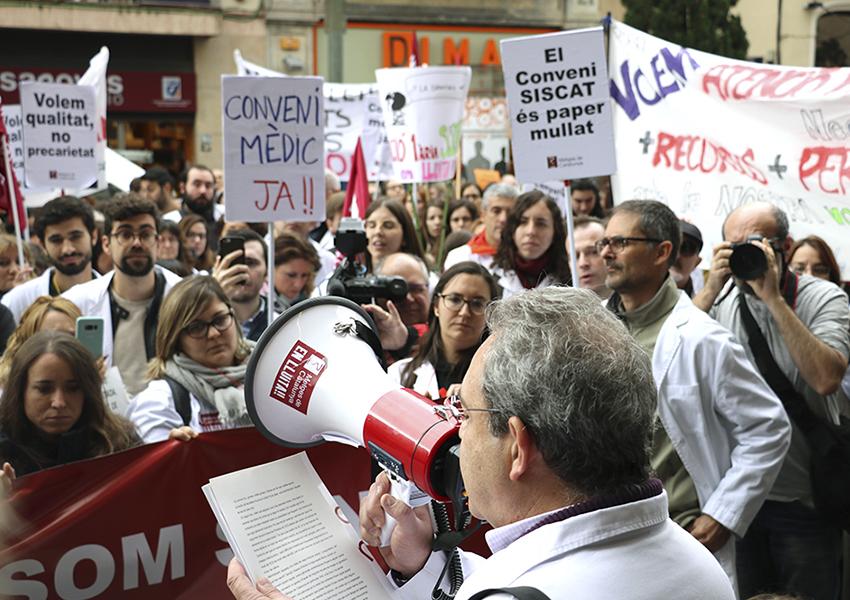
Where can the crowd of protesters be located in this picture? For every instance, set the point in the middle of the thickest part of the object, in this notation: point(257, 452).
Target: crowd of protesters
point(148, 263)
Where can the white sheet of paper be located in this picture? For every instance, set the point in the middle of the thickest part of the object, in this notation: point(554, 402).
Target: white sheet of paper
point(282, 523)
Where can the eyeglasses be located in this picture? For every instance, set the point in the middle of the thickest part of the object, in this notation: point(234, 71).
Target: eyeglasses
point(201, 329)
point(453, 407)
point(126, 236)
point(455, 302)
point(618, 243)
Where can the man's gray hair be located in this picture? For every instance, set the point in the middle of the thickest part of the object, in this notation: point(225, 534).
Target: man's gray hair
point(499, 190)
point(779, 216)
point(396, 256)
point(573, 374)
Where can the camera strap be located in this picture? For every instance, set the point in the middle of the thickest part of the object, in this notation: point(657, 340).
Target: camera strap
point(794, 404)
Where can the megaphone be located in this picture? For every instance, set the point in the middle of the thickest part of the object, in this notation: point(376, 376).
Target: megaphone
point(315, 376)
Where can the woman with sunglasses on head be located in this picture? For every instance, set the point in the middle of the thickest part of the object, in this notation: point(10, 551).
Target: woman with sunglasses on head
point(532, 252)
point(455, 330)
point(198, 371)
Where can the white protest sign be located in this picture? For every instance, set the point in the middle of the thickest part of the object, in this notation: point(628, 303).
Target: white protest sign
point(705, 134)
point(95, 76)
point(13, 120)
point(557, 89)
point(114, 392)
point(556, 190)
point(423, 114)
point(60, 135)
point(273, 148)
point(352, 110)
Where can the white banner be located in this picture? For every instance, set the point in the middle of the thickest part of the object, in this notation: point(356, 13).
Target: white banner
point(556, 84)
point(423, 113)
point(705, 134)
point(95, 76)
point(60, 135)
point(13, 120)
point(352, 110)
point(273, 148)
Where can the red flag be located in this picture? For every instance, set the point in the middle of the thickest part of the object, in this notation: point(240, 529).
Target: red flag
point(357, 191)
point(7, 178)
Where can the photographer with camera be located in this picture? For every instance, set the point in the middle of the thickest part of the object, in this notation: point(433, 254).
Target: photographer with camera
point(795, 328)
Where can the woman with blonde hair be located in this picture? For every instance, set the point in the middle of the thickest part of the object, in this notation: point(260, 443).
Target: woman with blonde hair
point(12, 272)
point(46, 313)
point(198, 370)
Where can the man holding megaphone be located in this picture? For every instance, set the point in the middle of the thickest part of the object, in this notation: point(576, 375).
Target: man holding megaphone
point(556, 415)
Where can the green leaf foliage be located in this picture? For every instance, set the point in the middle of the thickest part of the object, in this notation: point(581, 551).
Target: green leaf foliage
point(701, 24)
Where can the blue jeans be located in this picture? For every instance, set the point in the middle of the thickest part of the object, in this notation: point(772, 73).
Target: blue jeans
point(788, 549)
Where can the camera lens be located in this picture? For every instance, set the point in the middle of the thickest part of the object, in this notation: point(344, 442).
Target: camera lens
point(747, 261)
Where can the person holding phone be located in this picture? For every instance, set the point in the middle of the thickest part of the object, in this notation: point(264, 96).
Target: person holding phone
point(240, 268)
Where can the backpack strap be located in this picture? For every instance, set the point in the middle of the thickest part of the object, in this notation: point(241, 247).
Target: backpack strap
point(180, 397)
point(521, 593)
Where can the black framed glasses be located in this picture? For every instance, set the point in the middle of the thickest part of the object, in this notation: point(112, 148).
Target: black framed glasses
point(126, 236)
point(201, 329)
point(452, 407)
point(618, 243)
point(455, 302)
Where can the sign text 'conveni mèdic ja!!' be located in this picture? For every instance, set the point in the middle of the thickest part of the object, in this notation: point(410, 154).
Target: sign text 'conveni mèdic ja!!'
point(273, 148)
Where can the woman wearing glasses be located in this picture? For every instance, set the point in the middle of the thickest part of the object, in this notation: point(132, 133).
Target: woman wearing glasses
point(198, 371)
point(532, 252)
point(455, 330)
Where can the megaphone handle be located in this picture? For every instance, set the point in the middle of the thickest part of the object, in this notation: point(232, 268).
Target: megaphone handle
point(407, 492)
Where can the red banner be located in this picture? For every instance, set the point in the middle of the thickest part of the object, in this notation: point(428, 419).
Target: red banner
point(136, 524)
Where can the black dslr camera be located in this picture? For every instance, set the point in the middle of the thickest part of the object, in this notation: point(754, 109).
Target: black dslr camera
point(350, 279)
point(748, 260)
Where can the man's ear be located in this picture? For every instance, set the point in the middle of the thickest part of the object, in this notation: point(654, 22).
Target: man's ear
point(664, 248)
point(524, 450)
point(104, 241)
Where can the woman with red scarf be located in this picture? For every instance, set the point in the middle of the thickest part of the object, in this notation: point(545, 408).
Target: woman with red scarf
point(532, 251)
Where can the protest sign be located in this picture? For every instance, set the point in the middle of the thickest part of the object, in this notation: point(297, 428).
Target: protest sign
point(556, 86)
point(60, 135)
point(13, 120)
point(423, 114)
point(705, 134)
point(273, 148)
point(352, 111)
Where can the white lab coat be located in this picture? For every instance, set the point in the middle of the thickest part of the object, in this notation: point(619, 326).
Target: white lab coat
point(464, 253)
point(511, 285)
point(629, 551)
point(19, 298)
point(729, 429)
point(92, 298)
point(426, 377)
point(152, 412)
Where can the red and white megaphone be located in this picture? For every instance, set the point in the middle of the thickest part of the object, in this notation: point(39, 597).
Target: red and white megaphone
point(314, 377)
